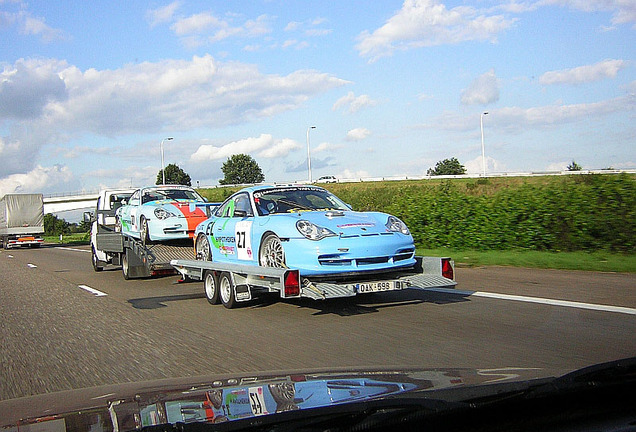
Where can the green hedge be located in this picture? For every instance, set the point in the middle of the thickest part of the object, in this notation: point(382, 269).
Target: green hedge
point(552, 213)
point(570, 213)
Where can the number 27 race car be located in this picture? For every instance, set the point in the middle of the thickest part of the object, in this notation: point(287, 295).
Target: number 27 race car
point(305, 228)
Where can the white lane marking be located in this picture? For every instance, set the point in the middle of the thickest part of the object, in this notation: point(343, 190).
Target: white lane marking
point(32, 265)
point(74, 249)
point(92, 290)
point(547, 301)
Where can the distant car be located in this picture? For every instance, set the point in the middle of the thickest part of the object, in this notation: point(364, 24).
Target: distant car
point(305, 228)
point(160, 213)
point(327, 179)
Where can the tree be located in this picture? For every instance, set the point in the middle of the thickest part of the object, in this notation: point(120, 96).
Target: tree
point(241, 169)
point(447, 167)
point(55, 226)
point(574, 167)
point(174, 175)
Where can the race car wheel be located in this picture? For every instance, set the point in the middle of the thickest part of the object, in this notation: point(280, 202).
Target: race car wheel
point(271, 253)
point(143, 231)
point(203, 251)
point(95, 261)
point(211, 287)
point(226, 290)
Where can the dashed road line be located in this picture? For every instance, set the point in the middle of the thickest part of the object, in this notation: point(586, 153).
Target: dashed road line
point(540, 300)
point(74, 249)
point(97, 293)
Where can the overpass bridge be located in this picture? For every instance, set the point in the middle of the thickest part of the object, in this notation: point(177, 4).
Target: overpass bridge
point(78, 201)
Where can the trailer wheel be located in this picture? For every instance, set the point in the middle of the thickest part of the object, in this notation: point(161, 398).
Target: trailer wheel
point(226, 290)
point(211, 287)
point(203, 251)
point(271, 252)
point(143, 231)
point(125, 267)
point(95, 261)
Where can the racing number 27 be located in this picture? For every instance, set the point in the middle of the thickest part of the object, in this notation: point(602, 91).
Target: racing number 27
point(240, 239)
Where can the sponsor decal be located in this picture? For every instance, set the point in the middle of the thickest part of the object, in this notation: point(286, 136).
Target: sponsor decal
point(356, 225)
point(262, 193)
point(226, 250)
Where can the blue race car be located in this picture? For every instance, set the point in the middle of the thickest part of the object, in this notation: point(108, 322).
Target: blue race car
point(305, 228)
point(160, 213)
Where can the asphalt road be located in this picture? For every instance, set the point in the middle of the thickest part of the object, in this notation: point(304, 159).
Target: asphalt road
point(56, 335)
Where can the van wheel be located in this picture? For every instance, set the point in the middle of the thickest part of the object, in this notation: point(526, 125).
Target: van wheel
point(211, 287)
point(125, 267)
point(95, 261)
point(226, 290)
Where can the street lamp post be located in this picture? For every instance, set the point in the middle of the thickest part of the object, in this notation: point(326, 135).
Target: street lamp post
point(309, 153)
point(483, 152)
point(163, 169)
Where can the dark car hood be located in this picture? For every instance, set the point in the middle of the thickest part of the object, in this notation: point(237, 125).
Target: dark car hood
point(231, 397)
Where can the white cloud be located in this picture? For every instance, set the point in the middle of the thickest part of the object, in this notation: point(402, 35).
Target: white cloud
point(357, 134)
point(40, 179)
point(48, 102)
point(482, 91)
point(205, 27)
point(475, 166)
point(29, 25)
point(349, 174)
point(28, 86)
point(352, 103)
point(515, 119)
point(265, 146)
point(325, 146)
point(164, 14)
point(422, 23)
point(197, 23)
point(624, 11)
point(558, 166)
point(584, 74)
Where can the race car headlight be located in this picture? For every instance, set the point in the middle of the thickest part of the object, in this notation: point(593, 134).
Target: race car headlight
point(312, 231)
point(396, 225)
point(163, 213)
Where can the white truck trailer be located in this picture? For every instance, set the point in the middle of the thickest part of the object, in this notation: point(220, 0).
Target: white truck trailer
point(21, 220)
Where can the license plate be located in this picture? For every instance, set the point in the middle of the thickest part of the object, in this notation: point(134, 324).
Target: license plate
point(377, 286)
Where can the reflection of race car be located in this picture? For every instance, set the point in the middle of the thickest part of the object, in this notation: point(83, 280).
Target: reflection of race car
point(162, 213)
point(304, 228)
point(282, 395)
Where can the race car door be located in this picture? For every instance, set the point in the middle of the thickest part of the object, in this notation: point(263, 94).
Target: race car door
point(233, 230)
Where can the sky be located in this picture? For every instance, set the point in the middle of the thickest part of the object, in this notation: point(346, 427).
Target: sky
point(90, 90)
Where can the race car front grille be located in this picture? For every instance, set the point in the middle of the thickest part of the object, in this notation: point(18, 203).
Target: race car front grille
point(338, 260)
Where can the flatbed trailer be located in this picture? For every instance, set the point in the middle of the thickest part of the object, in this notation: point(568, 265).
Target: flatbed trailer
point(138, 260)
point(230, 284)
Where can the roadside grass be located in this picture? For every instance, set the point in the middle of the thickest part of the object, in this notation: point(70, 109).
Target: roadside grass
point(588, 261)
point(69, 239)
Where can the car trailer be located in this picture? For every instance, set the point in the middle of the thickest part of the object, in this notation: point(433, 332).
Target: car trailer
point(229, 283)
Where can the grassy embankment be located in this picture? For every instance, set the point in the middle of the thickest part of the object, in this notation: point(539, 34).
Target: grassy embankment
point(582, 222)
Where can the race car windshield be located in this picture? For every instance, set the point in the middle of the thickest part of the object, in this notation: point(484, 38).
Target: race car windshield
point(171, 194)
point(272, 201)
